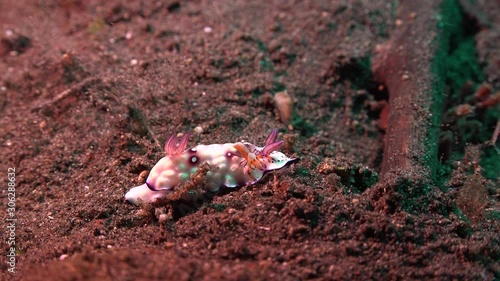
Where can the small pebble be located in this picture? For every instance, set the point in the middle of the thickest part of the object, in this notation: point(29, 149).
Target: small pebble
point(42, 125)
point(463, 109)
point(162, 218)
point(133, 62)
point(207, 29)
point(198, 129)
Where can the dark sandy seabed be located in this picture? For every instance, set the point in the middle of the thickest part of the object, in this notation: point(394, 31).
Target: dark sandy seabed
point(90, 91)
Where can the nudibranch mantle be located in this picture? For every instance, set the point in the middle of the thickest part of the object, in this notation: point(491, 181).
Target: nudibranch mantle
point(231, 165)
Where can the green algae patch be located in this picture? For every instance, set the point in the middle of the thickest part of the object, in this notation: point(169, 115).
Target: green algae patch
point(490, 163)
point(450, 14)
point(413, 199)
point(462, 66)
point(302, 125)
point(455, 66)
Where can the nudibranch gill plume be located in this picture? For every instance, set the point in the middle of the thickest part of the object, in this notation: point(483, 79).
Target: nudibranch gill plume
point(231, 165)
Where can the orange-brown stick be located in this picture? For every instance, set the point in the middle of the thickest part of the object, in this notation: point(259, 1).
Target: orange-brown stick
point(404, 66)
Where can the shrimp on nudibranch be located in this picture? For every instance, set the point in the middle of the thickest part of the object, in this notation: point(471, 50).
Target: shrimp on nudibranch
point(231, 165)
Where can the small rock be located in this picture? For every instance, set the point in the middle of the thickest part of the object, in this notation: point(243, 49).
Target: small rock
point(162, 218)
point(42, 125)
point(463, 109)
point(142, 176)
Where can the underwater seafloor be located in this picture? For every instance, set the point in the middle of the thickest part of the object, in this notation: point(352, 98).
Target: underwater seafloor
point(90, 91)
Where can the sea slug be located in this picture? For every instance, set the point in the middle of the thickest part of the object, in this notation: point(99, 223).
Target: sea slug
point(231, 165)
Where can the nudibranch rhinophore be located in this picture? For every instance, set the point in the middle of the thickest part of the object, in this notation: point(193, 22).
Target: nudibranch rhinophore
point(231, 165)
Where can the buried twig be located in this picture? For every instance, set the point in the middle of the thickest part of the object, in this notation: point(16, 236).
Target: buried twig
point(70, 91)
point(403, 65)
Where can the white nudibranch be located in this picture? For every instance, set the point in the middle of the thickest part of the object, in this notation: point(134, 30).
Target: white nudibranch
point(231, 165)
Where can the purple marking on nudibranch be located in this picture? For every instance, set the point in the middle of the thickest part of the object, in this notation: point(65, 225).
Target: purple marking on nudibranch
point(151, 187)
point(292, 161)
